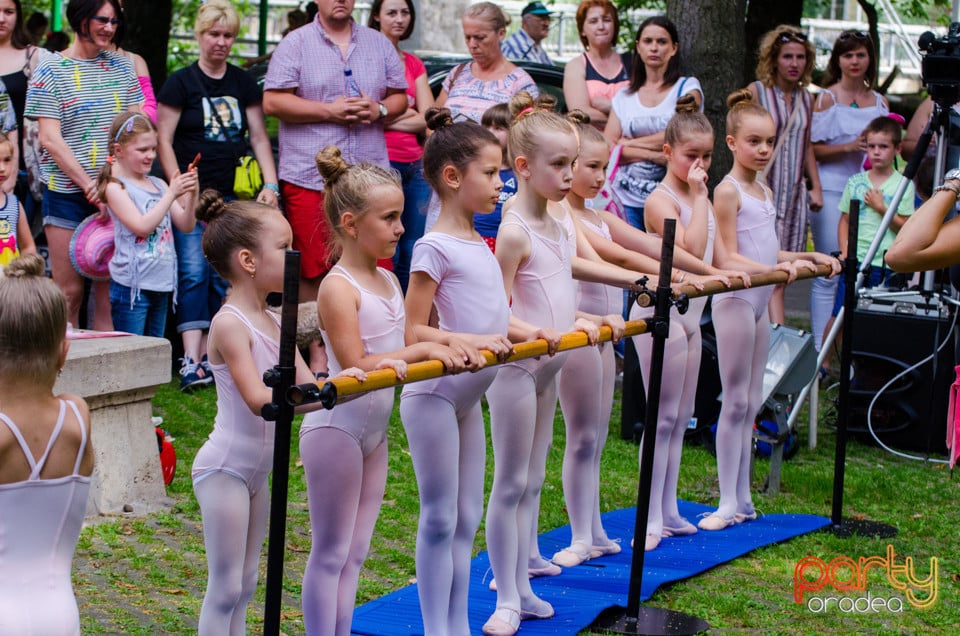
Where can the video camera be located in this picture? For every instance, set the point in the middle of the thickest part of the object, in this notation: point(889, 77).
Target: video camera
point(940, 67)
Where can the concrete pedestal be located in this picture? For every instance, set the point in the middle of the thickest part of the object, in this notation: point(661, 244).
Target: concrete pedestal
point(118, 377)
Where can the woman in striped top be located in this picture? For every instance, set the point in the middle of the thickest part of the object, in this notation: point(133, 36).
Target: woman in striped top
point(74, 95)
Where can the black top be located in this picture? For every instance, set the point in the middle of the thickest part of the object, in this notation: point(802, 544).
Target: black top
point(198, 129)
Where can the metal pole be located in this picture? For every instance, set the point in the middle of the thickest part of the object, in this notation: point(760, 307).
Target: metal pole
point(262, 35)
point(280, 378)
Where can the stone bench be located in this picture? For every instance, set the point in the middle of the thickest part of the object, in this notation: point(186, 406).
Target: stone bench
point(118, 377)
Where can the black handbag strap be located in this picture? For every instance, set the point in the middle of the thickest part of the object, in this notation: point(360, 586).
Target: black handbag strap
point(241, 145)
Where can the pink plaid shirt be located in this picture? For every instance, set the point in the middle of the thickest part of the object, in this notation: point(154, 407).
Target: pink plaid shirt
point(309, 62)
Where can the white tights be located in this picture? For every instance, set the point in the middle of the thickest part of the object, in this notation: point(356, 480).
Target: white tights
point(522, 408)
point(345, 491)
point(678, 391)
point(743, 343)
point(586, 413)
point(449, 455)
point(234, 527)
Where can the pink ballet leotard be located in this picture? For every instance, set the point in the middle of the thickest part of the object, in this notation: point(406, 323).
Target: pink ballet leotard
point(381, 323)
point(241, 443)
point(544, 292)
point(599, 298)
point(40, 521)
point(757, 240)
point(469, 299)
point(691, 319)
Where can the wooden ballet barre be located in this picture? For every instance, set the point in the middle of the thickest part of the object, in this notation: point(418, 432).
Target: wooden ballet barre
point(757, 280)
point(329, 391)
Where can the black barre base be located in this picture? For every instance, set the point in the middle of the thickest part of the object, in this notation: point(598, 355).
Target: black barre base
point(653, 621)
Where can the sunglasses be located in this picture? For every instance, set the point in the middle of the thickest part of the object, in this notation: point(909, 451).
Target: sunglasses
point(792, 36)
point(856, 35)
point(104, 20)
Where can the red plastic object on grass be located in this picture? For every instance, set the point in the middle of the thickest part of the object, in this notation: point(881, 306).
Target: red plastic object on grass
point(168, 456)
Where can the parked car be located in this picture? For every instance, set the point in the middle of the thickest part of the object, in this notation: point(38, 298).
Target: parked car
point(549, 78)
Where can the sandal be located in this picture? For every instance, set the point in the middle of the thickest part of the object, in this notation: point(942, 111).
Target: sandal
point(573, 555)
point(504, 621)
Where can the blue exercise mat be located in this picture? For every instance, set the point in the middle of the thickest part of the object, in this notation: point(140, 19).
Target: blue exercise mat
point(581, 593)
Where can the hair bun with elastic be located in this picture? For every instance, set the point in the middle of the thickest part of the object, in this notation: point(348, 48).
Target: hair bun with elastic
point(687, 104)
point(331, 165)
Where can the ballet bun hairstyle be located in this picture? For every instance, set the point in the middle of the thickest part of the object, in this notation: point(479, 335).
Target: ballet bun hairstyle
point(457, 144)
point(348, 187)
point(687, 120)
point(33, 321)
point(741, 104)
point(230, 227)
point(531, 119)
point(585, 131)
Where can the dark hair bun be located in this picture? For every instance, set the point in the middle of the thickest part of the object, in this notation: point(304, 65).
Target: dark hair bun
point(687, 104)
point(438, 118)
point(25, 266)
point(545, 101)
point(737, 97)
point(578, 117)
point(210, 205)
point(330, 164)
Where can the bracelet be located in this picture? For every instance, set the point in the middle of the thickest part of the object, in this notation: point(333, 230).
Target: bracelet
point(943, 187)
point(272, 187)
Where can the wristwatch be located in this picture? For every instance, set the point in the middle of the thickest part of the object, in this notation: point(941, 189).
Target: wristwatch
point(383, 109)
point(952, 175)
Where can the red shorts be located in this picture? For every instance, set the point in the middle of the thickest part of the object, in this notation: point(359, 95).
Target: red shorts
point(312, 234)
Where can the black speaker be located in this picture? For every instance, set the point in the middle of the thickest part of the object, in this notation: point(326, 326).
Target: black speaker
point(634, 400)
point(890, 336)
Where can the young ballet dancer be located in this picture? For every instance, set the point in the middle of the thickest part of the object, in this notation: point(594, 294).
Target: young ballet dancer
point(245, 243)
point(683, 196)
point(143, 269)
point(535, 256)
point(15, 235)
point(45, 457)
point(455, 271)
point(747, 238)
point(362, 320)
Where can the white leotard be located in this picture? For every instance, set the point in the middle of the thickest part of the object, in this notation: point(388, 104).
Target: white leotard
point(40, 521)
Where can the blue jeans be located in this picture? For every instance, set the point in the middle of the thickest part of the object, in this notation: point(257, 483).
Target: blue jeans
point(145, 316)
point(200, 290)
point(416, 196)
point(635, 216)
point(65, 209)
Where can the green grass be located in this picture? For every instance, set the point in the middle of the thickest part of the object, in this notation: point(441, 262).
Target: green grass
point(147, 576)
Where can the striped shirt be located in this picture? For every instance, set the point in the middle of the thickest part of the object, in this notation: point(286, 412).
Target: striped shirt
point(309, 62)
point(84, 96)
point(520, 46)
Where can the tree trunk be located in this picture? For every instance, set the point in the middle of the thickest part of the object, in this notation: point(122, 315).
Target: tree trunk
point(712, 50)
point(148, 34)
point(762, 17)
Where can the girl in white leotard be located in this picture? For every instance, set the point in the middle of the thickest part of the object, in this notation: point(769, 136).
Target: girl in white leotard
point(245, 243)
point(45, 457)
point(362, 320)
point(453, 271)
point(535, 259)
point(747, 238)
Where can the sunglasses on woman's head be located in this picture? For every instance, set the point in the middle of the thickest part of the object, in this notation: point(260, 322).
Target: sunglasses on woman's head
point(792, 36)
point(857, 35)
point(104, 20)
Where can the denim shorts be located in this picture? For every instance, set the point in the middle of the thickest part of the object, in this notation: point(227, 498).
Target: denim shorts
point(65, 209)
